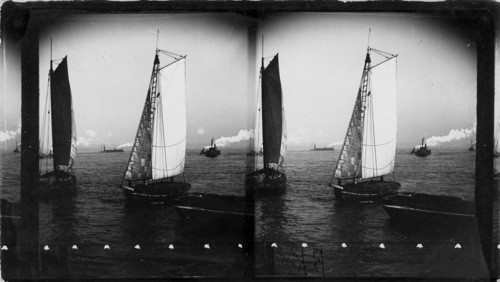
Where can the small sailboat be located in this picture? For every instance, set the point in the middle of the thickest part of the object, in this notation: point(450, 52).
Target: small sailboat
point(369, 148)
point(421, 151)
point(270, 179)
point(211, 151)
point(104, 150)
point(59, 130)
point(16, 150)
point(471, 148)
point(159, 149)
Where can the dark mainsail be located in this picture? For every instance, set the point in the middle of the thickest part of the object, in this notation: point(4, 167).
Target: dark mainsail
point(61, 114)
point(272, 115)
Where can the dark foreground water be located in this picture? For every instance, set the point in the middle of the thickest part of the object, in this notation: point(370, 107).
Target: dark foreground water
point(97, 215)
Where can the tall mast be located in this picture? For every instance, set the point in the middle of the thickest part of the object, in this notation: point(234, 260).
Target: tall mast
point(51, 55)
point(50, 89)
point(264, 159)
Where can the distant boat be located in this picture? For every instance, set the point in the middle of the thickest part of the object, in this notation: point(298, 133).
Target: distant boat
point(110, 151)
point(369, 149)
point(322, 149)
point(421, 151)
point(16, 150)
point(63, 130)
point(270, 179)
point(471, 148)
point(427, 209)
point(212, 151)
point(159, 149)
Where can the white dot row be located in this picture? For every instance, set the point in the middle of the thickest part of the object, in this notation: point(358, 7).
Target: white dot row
point(207, 246)
point(106, 247)
point(382, 246)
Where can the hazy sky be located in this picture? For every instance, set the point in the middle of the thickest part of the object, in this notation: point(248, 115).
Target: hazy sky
point(321, 60)
point(110, 58)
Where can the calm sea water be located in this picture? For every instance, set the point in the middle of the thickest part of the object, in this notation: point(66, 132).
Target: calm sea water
point(308, 213)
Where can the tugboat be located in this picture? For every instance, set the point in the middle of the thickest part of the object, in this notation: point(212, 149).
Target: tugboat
point(421, 151)
point(471, 148)
point(212, 151)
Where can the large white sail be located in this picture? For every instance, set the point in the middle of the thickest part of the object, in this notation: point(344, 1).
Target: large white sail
point(380, 123)
point(169, 128)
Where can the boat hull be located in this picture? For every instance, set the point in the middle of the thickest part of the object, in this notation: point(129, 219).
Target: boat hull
point(422, 152)
point(156, 192)
point(265, 182)
point(211, 153)
point(54, 180)
point(212, 209)
point(411, 207)
point(366, 190)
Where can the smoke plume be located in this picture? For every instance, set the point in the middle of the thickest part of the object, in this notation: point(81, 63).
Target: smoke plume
point(242, 135)
point(129, 144)
point(454, 134)
point(10, 134)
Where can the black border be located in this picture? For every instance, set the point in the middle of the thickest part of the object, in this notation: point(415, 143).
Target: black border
point(481, 16)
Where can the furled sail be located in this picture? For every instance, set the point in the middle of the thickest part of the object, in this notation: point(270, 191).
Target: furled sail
point(380, 126)
point(169, 133)
point(274, 139)
point(349, 164)
point(62, 116)
point(139, 165)
point(370, 144)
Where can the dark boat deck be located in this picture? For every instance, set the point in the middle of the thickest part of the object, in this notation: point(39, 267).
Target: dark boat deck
point(414, 207)
point(216, 203)
point(156, 192)
point(265, 182)
point(366, 190)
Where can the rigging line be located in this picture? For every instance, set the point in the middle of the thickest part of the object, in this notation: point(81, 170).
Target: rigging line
point(382, 62)
point(170, 54)
point(376, 169)
point(168, 146)
point(180, 163)
point(160, 68)
point(374, 151)
point(380, 145)
point(58, 60)
point(162, 128)
point(380, 52)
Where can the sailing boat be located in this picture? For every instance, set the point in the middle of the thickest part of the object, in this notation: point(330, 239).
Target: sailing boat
point(471, 148)
point(271, 178)
point(421, 151)
point(62, 127)
point(159, 150)
point(212, 151)
point(16, 150)
point(369, 148)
